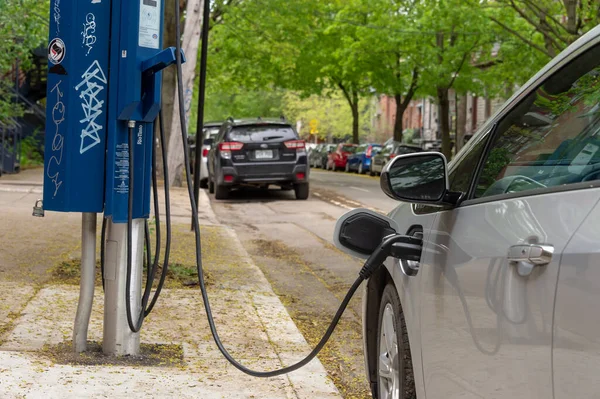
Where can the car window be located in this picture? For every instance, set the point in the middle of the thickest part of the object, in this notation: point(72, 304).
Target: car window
point(348, 148)
point(404, 150)
point(211, 132)
point(387, 149)
point(362, 148)
point(552, 137)
point(462, 174)
point(261, 134)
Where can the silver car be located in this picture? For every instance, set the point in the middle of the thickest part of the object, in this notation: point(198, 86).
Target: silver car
point(208, 135)
point(504, 301)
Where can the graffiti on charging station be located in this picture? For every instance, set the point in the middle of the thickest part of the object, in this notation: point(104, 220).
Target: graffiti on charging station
point(94, 82)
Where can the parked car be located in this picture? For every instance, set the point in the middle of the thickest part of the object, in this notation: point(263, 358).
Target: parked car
point(501, 303)
point(388, 153)
point(318, 157)
point(360, 161)
point(257, 152)
point(337, 159)
point(208, 136)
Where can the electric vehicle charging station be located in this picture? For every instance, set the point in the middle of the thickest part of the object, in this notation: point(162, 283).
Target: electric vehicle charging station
point(104, 94)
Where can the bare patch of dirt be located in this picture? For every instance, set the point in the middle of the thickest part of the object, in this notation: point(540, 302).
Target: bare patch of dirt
point(151, 355)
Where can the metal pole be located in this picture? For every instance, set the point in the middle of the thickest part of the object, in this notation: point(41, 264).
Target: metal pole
point(201, 98)
point(118, 338)
point(88, 276)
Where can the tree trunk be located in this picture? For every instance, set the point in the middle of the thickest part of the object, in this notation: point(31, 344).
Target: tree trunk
point(168, 81)
point(444, 103)
point(398, 123)
point(461, 122)
point(571, 8)
point(355, 118)
point(191, 40)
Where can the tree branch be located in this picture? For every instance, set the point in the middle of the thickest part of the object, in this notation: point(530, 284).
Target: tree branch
point(532, 5)
point(412, 89)
point(540, 27)
point(525, 40)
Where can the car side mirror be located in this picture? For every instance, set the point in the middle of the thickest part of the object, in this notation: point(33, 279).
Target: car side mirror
point(360, 231)
point(418, 178)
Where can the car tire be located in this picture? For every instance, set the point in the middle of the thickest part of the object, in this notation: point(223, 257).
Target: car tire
point(360, 171)
point(395, 377)
point(347, 167)
point(211, 186)
point(204, 183)
point(371, 173)
point(301, 190)
point(221, 192)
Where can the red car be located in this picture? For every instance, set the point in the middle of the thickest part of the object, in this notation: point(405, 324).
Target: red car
point(337, 159)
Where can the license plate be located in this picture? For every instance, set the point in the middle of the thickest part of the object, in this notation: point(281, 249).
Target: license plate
point(263, 154)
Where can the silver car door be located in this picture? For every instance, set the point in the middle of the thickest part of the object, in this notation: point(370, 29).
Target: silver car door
point(490, 267)
point(576, 344)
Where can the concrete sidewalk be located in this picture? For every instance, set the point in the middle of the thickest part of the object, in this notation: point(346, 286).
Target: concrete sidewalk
point(37, 314)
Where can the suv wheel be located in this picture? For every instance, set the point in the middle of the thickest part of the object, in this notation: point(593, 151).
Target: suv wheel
point(301, 190)
point(221, 192)
point(211, 186)
point(395, 377)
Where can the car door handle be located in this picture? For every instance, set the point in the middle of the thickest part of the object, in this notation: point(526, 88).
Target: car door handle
point(527, 256)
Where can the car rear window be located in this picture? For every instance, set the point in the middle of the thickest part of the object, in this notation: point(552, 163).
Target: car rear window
point(261, 134)
point(211, 132)
point(348, 148)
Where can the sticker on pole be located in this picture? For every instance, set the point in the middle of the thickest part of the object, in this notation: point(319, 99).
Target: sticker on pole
point(56, 51)
point(149, 33)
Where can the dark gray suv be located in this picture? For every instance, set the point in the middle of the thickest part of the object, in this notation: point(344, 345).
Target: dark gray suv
point(258, 152)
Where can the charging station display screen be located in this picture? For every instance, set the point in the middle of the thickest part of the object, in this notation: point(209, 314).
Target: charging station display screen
point(149, 32)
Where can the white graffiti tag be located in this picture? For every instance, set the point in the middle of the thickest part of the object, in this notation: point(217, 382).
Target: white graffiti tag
point(56, 14)
point(89, 28)
point(58, 142)
point(94, 82)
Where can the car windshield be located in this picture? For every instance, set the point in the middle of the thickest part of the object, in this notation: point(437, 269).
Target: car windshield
point(261, 134)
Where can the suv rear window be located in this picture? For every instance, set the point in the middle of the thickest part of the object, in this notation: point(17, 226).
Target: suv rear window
point(261, 134)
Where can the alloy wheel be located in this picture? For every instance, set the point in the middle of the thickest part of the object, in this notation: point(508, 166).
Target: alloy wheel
point(389, 363)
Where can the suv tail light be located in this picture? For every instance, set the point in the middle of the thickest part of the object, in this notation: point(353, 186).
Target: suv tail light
point(231, 146)
point(295, 144)
point(205, 152)
point(392, 155)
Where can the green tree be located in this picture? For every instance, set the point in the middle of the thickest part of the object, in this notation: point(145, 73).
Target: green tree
point(23, 27)
point(455, 37)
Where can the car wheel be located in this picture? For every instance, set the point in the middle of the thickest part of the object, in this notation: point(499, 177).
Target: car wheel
point(204, 183)
point(301, 191)
point(347, 167)
point(371, 173)
point(211, 186)
point(361, 171)
point(395, 379)
point(221, 192)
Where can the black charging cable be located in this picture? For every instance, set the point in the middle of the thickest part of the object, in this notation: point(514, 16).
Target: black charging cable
point(152, 266)
point(371, 265)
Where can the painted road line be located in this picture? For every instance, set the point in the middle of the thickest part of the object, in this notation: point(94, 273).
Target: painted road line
point(360, 189)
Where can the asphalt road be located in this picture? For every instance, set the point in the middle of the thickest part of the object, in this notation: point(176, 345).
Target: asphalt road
point(358, 189)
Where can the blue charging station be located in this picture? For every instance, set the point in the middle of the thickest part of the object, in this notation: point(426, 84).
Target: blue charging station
point(76, 111)
point(105, 63)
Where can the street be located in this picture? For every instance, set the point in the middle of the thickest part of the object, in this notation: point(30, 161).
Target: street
point(291, 241)
point(358, 189)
